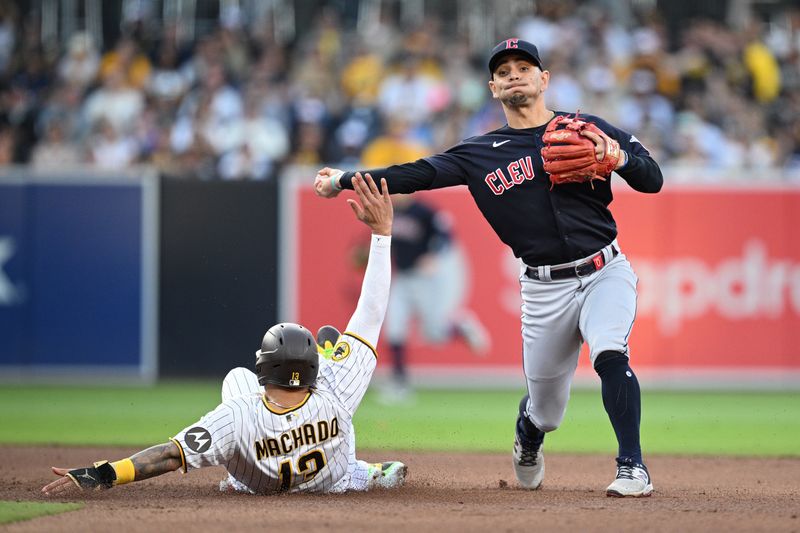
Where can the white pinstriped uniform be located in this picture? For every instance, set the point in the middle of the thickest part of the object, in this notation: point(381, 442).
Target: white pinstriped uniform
point(310, 448)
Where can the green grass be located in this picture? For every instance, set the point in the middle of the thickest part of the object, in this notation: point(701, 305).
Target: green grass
point(16, 511)
point(102, 415)
point(747, 423)
point(727, 423)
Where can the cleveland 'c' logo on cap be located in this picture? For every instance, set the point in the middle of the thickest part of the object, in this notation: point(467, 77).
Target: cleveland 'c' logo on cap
point(511, 43)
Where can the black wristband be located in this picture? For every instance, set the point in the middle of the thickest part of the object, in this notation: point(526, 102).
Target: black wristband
point(346, 180)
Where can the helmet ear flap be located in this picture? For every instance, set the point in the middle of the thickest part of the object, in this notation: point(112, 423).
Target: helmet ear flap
point(261, 380)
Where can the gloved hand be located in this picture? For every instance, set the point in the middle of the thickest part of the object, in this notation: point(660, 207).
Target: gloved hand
point(577, 151)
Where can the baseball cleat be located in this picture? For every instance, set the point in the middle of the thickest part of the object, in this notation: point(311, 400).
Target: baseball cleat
point(528, 464)
point(231, 484)
point(389, 475)
point(633, 480)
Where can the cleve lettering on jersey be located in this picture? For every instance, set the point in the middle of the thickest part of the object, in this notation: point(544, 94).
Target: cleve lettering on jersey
point(305, 435)
point(515, 173)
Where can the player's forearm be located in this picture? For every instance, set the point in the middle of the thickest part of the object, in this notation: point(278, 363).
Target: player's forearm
point(156, 460)
point(148, 463)
point(402, 179)
point(374, 299)
point(642, 173)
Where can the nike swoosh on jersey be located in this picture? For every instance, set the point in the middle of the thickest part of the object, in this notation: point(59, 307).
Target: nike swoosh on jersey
point(635, 140)
point(496, 144)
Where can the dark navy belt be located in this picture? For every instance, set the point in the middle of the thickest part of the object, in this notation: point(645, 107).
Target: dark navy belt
point(579, 269)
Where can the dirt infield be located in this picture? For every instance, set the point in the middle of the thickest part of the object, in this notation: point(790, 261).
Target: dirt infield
point(444, 492)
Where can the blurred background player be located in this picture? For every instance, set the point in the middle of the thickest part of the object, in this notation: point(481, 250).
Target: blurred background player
point(430, 271)
point(288, 426)
point(429, 288)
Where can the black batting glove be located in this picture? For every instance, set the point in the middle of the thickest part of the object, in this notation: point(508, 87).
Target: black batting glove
point(100, 476)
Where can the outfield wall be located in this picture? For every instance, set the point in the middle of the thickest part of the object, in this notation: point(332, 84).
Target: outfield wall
point(81, 256)
point(218, 274)
point(719, 288)
point(124, 276)
point(78, 275)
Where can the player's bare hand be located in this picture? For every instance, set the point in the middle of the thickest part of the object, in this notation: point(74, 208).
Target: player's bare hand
point(62, 485)
point(375, 209)
point(602, 143)
point(599, 144)
point(322, 182)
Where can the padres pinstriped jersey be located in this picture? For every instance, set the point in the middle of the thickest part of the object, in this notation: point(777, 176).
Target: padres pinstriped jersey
point(310, 447)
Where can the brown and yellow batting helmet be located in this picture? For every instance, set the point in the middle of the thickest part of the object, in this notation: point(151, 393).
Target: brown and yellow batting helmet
point(288, 357)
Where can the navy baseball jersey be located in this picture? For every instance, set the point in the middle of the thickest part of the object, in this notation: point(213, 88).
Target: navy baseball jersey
point(503, 170)
point(417, 230)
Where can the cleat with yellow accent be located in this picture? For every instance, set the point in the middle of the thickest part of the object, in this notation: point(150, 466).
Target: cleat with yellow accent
point(389, 475)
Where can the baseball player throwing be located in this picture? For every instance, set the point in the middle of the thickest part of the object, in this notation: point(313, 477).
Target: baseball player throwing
point(542, 183)
point(296, 433)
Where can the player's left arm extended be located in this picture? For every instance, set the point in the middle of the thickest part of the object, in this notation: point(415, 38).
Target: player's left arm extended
point(371, 309)
point(153, 461)
point(374, 299)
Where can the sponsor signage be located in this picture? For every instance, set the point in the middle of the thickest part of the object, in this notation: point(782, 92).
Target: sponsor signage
point(719, 276)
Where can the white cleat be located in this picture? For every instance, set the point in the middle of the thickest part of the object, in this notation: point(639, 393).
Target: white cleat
point(389, 475)
point(230, 484)
point(528, 465)
point(632, 480)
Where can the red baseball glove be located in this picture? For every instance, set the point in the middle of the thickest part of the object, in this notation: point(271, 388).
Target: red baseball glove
point(570, 156)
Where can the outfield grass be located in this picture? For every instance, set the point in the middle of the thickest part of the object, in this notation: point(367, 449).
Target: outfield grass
point(672, 423)
point(748, 423)
point(102, 415)
point(16, 511)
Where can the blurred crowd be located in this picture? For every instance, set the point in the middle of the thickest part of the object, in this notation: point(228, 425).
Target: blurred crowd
point(234, 104)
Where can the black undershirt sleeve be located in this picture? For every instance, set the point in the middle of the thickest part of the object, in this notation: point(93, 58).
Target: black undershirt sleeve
point(403, 179)
point(642, 173)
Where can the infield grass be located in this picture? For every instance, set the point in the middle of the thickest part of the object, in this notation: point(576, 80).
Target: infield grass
point(16, 511)
point(674, 422)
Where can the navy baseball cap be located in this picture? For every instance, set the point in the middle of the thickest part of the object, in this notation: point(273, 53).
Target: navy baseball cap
point(514, 46)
